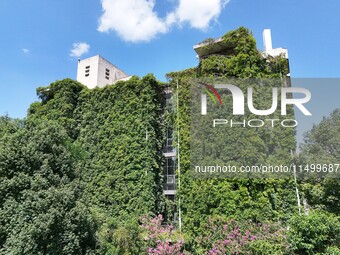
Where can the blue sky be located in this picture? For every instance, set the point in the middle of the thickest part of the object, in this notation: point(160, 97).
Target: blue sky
point(140, 37)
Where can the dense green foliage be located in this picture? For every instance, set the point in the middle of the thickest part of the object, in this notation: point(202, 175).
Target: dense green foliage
point(322, 142)
point(118, 129)
point(41, 205)
point(98, 146)
point(314, 233)
point(243, 59)
point(256, 199)
point(80, 172)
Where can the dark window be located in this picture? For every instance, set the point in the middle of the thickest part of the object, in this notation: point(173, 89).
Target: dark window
point(107, 73)
point(169, 166)
point(168, 142)
point(87, 71)
point(169, 174)
point(168, 101)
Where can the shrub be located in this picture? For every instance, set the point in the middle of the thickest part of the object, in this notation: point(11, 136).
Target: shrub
point(314, 233)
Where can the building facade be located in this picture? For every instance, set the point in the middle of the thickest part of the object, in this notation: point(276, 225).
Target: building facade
point(96, 71)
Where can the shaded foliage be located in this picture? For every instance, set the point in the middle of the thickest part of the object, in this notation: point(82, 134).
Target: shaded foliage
point(322, 142)
point(41, 205)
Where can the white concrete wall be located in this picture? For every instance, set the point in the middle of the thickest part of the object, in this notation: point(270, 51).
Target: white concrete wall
point(91, 80)
point(98, 72)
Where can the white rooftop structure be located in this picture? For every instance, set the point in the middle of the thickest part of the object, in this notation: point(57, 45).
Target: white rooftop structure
point(215, 46)
point(98, 72)
point(268, 47)
point(218, 46)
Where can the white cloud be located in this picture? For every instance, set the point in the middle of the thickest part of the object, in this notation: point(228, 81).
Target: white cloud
point(199, 13)
point(133, 20)
point(26, 51)
point(79, 49)
point(136, 20)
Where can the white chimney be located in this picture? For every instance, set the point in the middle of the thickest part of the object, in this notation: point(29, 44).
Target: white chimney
point(267, 40)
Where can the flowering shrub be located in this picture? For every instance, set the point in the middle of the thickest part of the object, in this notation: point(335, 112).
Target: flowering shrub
point(165, 247)
point(219, 237)
point(231, 237)
point(161, 240)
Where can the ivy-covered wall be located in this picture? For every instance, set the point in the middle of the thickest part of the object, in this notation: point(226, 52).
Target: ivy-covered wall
point(118, 132)
point(259, 200)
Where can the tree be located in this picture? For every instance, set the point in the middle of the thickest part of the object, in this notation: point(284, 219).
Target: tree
point(41, 206)
point(322, 146)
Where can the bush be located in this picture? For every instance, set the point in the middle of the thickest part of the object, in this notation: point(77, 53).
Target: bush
point(161, 240)
point(314, 233)
point(232, 237)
